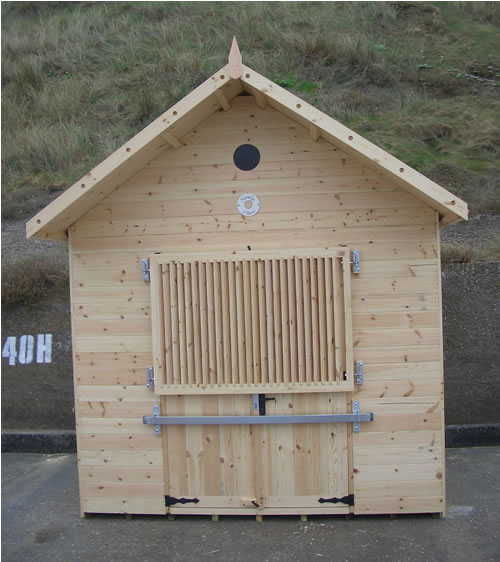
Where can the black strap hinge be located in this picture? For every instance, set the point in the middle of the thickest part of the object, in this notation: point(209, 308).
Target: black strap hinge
point(170, 500)
point(348, 500)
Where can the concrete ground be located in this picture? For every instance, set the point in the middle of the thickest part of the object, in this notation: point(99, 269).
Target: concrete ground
point(41, 521)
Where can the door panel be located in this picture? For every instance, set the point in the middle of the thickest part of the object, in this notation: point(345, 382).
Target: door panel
point(256, 468)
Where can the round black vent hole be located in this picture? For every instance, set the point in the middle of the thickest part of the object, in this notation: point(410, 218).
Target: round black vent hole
point(246, 157)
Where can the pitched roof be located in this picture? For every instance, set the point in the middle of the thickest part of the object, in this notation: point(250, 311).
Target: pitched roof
point(166, 132)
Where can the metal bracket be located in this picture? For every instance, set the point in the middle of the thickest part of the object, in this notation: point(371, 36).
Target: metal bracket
point(355, 261)
point(358, 373)
point(355, 411)
point(156, 415)
point(145, 269)
point(149, 377)
point(255, 402)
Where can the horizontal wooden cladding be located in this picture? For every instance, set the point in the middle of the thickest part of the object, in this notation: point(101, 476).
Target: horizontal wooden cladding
point(111, 368)
point(138, 506)
point(121, 459)
point(223, 154)
point(260, 321)
point(140, 192)
point(131, 426)
point(382, 372)
point(259, 241)
point(99, 473)
point(112, 393)
point(264, 171)
point(221, 206)
point(372, 285)
point(113, 343)
point(401, 504)
point(386, 440)
point(122, 490)
point(120, 442)
point(398, 388)
point(397, 456)
point(110, 409)
point(396, 337)
point(112, 311)
point(396, 354)
point(386, 422)
point(401, 405)
point(398, 472)
point(137, 294)
point(395, 303)
point(372, 218)
point(418, 319)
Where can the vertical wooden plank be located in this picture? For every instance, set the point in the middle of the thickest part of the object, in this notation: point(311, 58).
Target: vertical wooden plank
point(167, 323)
point(285, 321)
point(233, 321)
point(330, 340)
point(176, 465)
point(254, 289)
point(219, 347)
point(174, 317)
point(226, 322)
point(299, 306)
point(313, 268)
point(247, 300)
point(306, 288)
point(349, 356)
point(157, 318)
point(270, 321)
point(278, 350)
point(302, 445)
point(210, 438)
point(262, 321)
point(323, 353)
point(282, 449)
point(292, 319)
point(197, 375)
point(202, 276)
point(240, 313)
point(195, 448)
point(212, 353)
point(188, 307)
point(338, 319)
point(182, 322)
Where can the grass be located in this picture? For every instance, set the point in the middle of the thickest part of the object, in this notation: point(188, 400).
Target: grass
point(33, 277)
point(79, 78)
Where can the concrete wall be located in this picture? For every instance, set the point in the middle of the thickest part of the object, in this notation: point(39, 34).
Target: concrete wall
point(38, 393)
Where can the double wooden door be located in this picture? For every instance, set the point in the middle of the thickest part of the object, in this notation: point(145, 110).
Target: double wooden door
point(254, 335)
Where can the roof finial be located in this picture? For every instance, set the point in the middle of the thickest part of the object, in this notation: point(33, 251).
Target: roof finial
point(234, 60)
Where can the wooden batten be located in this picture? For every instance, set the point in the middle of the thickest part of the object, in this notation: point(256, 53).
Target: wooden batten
point(236, 306)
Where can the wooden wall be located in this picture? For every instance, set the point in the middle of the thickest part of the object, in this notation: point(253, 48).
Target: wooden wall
point(312, 195)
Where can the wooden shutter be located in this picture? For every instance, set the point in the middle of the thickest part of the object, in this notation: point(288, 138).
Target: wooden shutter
point(252, 323)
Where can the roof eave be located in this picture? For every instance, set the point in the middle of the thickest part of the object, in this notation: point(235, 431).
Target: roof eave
point(53, 221)
point(451, 208)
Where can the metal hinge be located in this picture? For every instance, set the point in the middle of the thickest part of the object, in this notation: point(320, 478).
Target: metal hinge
point(145, 269)
point(170, 500)
point(355, 261)
point(149, 377)
point(347, 500)
point(358, 373)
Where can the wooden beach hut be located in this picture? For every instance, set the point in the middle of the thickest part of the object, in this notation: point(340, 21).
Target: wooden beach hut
point(256, 314)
